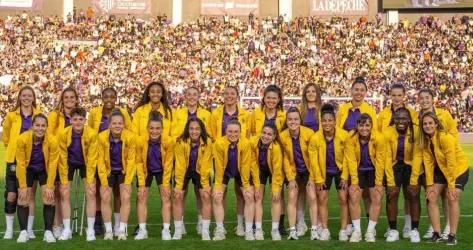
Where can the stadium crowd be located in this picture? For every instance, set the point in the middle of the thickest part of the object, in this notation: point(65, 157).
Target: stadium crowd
point(128, 53)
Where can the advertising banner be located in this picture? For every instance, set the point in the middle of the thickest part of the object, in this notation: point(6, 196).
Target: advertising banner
point(21, 4)
point(437, 4)
point(230, 7)
point(339, 7)
point(122, 6)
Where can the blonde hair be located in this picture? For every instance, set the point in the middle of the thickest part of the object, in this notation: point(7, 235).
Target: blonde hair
point(423, 137)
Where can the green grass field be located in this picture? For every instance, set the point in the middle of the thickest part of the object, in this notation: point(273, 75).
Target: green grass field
point(192, 240)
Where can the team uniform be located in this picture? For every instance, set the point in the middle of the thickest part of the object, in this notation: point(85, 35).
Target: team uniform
point(141, 117)
point(346, 117)
point(258, 119)
point(266, 161)
point(192, 164)
point(182, 115)
point(385, 118)
point(219, 119)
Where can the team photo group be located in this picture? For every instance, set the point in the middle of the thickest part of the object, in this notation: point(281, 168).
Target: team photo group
point(295, 156)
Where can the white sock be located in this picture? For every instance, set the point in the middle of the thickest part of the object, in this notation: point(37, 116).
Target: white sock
point(90, 223)
point(372, 225)
point(122, 227)
point(447, 228)
point(258, 225)
point(431, 228)
point(178, 224)
point(249, 226)
point(220, 225)
point(166, 226)
point(108, 227)
point(30, 222)
point(275, 225)
point(117, 219)
point(205, 225)
point(142, 226)
point(9, 219)
point(67, 224)
point(240, 220)
point(199, 218)
point(314, 227)
point(300, 217)
point(356, 225)
point(407, 221)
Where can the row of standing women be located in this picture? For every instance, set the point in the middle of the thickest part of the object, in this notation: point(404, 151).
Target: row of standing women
point(305, 149)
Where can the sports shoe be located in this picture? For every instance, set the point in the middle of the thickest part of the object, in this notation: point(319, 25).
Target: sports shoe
point(177, 234)
point(445, 233)
point(23, 237)
point(301, 229)
point(275, 235)
point(415, 236)
point(429, 233)
point(240, 231)
point(66, 235)
point(49, 237)
point(31, 234)
point(108, 236)
point(282, 230)
point(198, 228)
point(90, 235)
point(165, 234)
point(249, 235)
point(142, 234)
point(57, 231)
point(343, 236)
point(393, 235)
point(406, 232)
point(8, 235)
point(116, 230)
point(324, 235)
point(98, 225)
point(451, 240)
point(121, 236)
point(135, 231)
point(436, 238)
point(219, 234)
point(355, 236)
point(292, 234)
point(370, 236)
point(314, 234)
point(350, 229)
point(259, 234)
point(205, 235)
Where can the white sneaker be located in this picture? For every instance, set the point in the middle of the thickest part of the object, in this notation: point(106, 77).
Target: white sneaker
point(177, 234)
point(250, 236)
point(355, 236)
point(142, 234)
point(415, 236)
point(57, 232)
point(259, 234)
point(66, 235)
point(219, 234)
point(406, 232)
point(121, 236)
point(49, 237)
point(275, 234)
point(205, 235)
point(324, 235)
point(393, 235)
point(8, 235)
point(116, 231)
point(314, 234)
point(370, 236)
point(90, 235)
point(445, 234)
point(23, 237)
point(350, 229)
point(301, 229)
point(240, 231)
point(31, 234)
point(343, 236)
point(166, 234)
point(198, 228)
point(108, 236)
point(429, 233)
point(292, 235)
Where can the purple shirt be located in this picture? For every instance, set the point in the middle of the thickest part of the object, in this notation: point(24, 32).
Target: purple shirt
point(298, 157)
point(226, 119)
point(67, 121)
point(191, 115)
point(37, 162)
point(75, 156)
point(311, 120)
point(365, 160)
point(231, 170)
point(193, 158)
point(263, 157)
point(270, 121)
point(400, 148)
point(25, 122)
point(331, 164)
point(116, 154)
point(350, 122)
point(103, 123)
point(154, 157)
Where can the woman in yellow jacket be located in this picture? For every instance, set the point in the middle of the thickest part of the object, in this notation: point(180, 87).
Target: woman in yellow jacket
point(193, 154)
point(270, 113)
point(154, 161)
point(116, 167)
point(366, 159)
point(58, 119)
point(37, 156)
point(232, 157)
point(16, 123)
point(299, 172)
point(446, 168)
point(78, 151)
point(326, 148)
point(403, 158)
point(98, 120)
point(266, 161)
point(426, 102)
point(217, 128)
point(310, 106)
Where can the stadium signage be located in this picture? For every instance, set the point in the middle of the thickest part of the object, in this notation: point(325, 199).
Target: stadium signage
point(230, 7)
point(339, 7)
point(21, 4)
point(122, 6)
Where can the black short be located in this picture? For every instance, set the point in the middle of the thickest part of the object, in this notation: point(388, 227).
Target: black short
point(72, 169)
point(421, 180)
point(32, 176)
point(237, 179)
point(366, 179)
point(157, 176)
point(195, 177)
point(462, 180)
point(115, 178)
point(11, 183)
point(302, 179)
point(264, 176)
point(439, 177)
point(402, 174)
point(337, 178)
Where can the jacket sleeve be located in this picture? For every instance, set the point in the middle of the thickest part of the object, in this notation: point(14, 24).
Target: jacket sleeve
point(140, 165)
point(219, 167)
point(128, 123)
point(277, 174)
point(252, 124)
point(428, 166)
point(53, 163)
point(130, 161)
point(91, 119)
point(52, 123)
point(206, 166)
point(180, 171)
point(212, 127)
point(92, 155)
point(63, 154)
point(451, 125)
point(416, 164)
point(314, 160)
point(380, 159)
point(21, 162)
point(447, 143)
point(135, 123)
point(351, 162)
point(7, 124)
point(389, 164)
point(102, 170)
point(246, 167)
point(168, 166)
point(288, 168)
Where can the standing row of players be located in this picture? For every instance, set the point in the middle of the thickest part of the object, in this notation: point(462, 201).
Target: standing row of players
point(305, 149)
